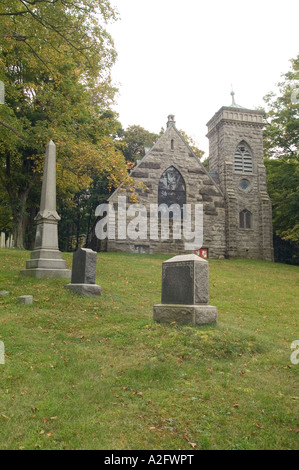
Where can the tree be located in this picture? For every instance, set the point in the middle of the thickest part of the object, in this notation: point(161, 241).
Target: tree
point(134, 142)
point(192, 144)
point(282, 156)
point(55, 60)
point(75, 24)
point(5, 213)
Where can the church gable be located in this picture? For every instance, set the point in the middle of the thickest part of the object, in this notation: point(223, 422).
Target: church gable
point(171, 150)
point(237, 215)
point(172, 173)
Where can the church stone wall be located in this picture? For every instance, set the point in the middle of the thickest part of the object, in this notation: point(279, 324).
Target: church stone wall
point(220, 191)
point(227, 129)
point(172, 150)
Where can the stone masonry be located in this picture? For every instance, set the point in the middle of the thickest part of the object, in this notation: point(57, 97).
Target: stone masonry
point(237, 218)
point(243, 188)
point(171, 150)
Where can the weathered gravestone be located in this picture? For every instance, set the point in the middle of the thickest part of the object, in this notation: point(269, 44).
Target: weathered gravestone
point(4, 292)
point(84, 273)
point(185, 292)
point(25, 299)
point(2, 240)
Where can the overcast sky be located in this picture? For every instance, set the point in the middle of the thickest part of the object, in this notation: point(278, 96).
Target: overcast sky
point(182, 57)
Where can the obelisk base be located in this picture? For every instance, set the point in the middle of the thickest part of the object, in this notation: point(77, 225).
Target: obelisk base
point(47, 273)
point(46, 264)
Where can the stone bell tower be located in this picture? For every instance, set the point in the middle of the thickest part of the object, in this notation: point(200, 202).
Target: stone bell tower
point(237, 160)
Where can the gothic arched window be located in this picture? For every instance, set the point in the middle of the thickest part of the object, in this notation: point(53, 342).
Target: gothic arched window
point(245, 219)
point(243, 158)
point(172, 188)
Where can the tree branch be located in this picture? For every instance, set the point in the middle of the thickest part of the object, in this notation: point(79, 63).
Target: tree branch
point(36, 55)
point(15, 13)
point(4, 124)
point(46, 24)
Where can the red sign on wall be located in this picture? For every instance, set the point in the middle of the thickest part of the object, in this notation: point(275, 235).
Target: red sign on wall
point(202, 252)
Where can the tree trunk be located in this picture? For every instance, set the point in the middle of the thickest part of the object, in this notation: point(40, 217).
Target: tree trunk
point(18, 232)
point(19, 215)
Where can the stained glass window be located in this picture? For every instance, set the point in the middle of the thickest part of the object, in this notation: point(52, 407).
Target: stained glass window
point(172, 188)
point(244, 184)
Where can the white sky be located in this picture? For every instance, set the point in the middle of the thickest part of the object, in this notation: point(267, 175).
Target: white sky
point(182, 56)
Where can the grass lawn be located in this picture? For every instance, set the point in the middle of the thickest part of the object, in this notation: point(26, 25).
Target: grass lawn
point(98, 373)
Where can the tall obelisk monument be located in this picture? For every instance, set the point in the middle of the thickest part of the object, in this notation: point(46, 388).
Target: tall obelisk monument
point(46, 259)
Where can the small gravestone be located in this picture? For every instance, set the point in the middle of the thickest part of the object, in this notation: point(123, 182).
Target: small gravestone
point(185, 292)
point(2, 240)
point(25, 299)
point(4, 292)
point(84, 273)
point(11, 242)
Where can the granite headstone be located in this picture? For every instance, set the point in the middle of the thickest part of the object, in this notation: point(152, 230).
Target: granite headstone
point(84, 273)
point(185, 292)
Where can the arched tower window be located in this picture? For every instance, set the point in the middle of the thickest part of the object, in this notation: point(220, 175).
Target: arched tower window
point(245, 219)
point(172, 188)
point(243, 158)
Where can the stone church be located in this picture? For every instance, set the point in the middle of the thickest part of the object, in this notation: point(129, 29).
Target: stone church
point(237, 213)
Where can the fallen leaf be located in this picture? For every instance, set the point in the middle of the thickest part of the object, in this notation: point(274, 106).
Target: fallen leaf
point(259, 426)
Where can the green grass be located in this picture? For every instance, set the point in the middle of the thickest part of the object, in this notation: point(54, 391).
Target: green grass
point(98, 373)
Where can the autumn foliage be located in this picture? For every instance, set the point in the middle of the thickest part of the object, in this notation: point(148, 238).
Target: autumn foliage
point(56, 58)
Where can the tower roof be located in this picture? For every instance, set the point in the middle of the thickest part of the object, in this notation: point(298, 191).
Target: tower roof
point(236, 112)
point(234, 104)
